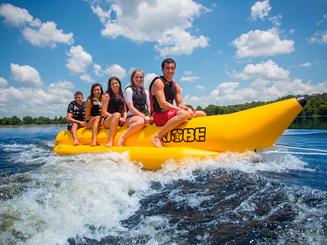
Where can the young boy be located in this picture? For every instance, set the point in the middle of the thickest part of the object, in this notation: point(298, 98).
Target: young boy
point(76, 115)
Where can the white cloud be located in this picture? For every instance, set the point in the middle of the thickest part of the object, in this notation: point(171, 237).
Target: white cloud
point(34, 31)
point(319, 37)
point(200, 87)
point(276, 20)
point(178, 42)
point(3, 82)
point(322, 21)
point(97, 70)
point(306, 65)
point(116, 70)
point(16, 16)
point(268, 70)
point(86, 77)
point(167, 23)
point(260, 10)
point(102, 14)
point(52, 101)
point(189, 77)
point(148, 79)
point(26, 74)
point(47, 35)
point(260, 90)
point(262, 43)
point(78, 60)
point(113, 70)
point(61, 85)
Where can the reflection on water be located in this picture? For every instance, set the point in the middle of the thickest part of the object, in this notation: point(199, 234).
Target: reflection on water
point(310, 123)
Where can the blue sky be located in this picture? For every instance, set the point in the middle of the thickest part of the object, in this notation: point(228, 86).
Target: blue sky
point(227, 52)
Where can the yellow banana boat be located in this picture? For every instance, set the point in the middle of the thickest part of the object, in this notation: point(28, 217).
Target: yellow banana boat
point(253, 129)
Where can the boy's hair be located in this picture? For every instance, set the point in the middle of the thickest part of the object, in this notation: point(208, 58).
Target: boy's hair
point(78, 93)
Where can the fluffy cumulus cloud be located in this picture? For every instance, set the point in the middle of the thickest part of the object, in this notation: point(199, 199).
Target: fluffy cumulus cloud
point(47, 35)
point(33, 30)
point(200, 87)
point(268, 70)
point(319, 37)
point(148, 79)
point(3, 82)
point(116, 70)
point(86, 77)
point(51, 101)
point(97, 70)
point(170, 26)
point(16, 16)
point(260, 10)
point(262, 43)
point(268, 82)
point(78, 60)
point(25, 74)
point(189, 77)
point(228, 93)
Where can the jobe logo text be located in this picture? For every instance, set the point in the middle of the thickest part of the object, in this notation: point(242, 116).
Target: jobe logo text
point(185, 135)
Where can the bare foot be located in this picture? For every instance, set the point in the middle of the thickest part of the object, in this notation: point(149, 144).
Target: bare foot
point(76, 142)
point(121, 141)
point(94, 144)
point(156, 141)
point(109, 144)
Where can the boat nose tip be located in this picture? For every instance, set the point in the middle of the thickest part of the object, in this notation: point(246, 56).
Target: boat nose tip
point(302, 100)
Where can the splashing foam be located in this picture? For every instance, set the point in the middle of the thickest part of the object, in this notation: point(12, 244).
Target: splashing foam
point(88, 195)
point(70, 195)
point(248, 162)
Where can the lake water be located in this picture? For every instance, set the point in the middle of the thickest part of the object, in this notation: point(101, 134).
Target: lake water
point(278, 196)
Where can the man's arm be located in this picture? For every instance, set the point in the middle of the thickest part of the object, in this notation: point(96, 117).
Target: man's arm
point(158, 90)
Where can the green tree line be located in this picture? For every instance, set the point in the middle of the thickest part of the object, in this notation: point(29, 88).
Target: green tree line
point(14, 120)
point(316, 106)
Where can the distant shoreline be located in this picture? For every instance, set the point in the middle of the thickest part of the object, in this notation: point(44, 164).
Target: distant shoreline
point(32, 125)
point(313, 115)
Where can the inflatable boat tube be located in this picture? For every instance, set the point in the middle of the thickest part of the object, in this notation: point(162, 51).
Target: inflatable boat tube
point(248, 130)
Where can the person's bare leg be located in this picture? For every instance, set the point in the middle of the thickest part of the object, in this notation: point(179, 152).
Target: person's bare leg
point(106, 125)
point(174, 122)
point(73, 130)
point(200, 113)
point(106, 122)
point(95, 127)
point(113, 128)
point(135, 124)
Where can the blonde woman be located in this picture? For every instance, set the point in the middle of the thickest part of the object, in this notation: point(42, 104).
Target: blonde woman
point(137, 100)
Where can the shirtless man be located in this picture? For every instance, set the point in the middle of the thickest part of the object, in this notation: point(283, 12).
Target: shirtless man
point(163, 92)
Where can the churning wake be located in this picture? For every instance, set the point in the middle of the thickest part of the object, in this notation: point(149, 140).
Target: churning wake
point(105, 198)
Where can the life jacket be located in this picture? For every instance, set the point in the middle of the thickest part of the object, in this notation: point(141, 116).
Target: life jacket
point(116, 104)
point(170, 94)
point(139, 99)
point(96, 107)
point(77, 110)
